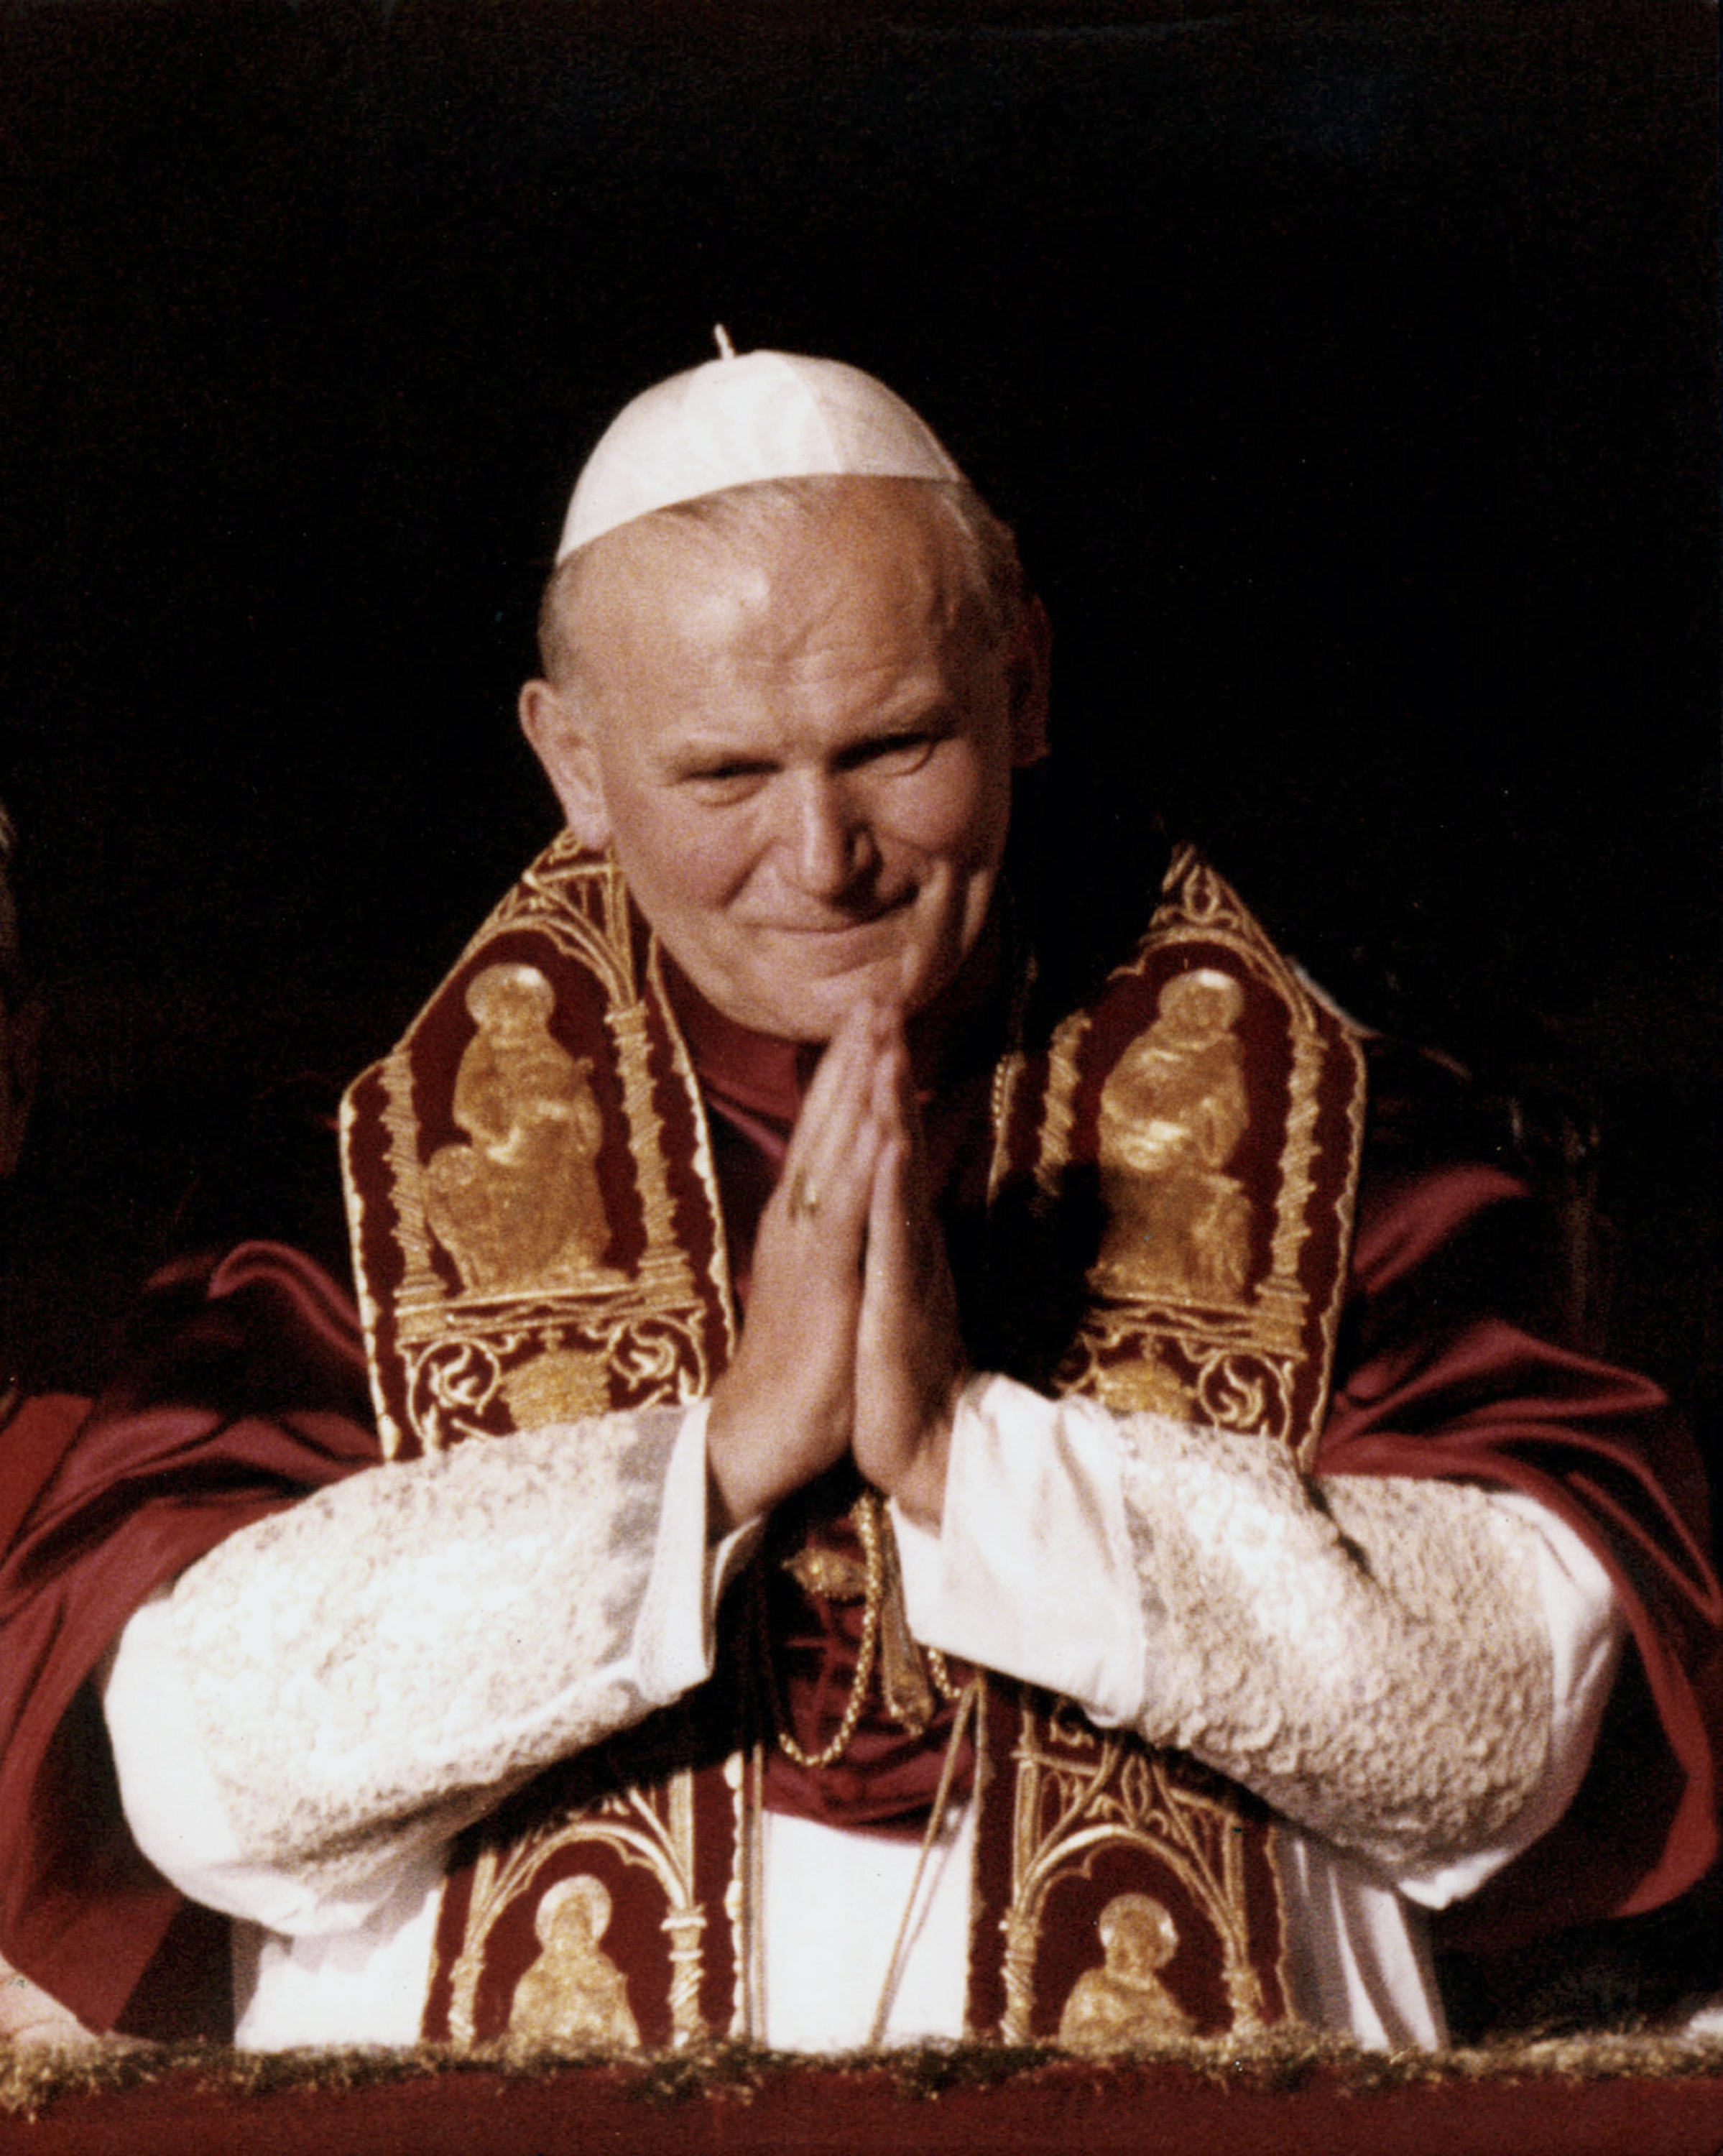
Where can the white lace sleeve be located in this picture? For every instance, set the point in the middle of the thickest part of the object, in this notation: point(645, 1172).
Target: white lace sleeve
point(1371, 1655)
point(416, 1641)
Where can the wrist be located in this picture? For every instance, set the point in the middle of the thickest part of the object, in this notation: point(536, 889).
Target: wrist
point(761, 1445)
point(734, 1489)
point(920, 1490)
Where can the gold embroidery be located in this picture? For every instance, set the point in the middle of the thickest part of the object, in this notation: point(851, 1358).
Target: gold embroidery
point(705, 1169)
point(1219, 1344)
point(1202, 1311)
point(1122, 1364)
point(1124, 2002)
point(389, 1432)
point(470, 1356)
point(519, 1206)
point(653, 1827)
point(1173, 1111)
point(583, 907)
point(563, 1385)
point(1138, 1381)
point(1059, 1112)
point(1002, 1102)
point(1350, 1045)
point(833, 1573)
point(538, 1315)
point(1078, 1792)
point(744, 1775)
point(574, 1993)
point(906, 1690)
point(686, 1919)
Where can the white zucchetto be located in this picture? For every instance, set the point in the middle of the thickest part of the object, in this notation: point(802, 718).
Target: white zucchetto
point(765, 415)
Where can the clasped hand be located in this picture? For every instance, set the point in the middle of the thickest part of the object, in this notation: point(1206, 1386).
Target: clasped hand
point(851, 1343)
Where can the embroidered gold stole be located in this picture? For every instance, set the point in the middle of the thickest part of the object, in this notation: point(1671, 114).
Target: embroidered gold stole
point(538, 1237)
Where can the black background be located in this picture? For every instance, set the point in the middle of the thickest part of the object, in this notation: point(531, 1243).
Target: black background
point(1349, 372)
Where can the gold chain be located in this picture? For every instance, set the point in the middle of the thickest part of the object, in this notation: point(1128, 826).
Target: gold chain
point(943, 1683)
point(872, 1527)
point(865, 1512)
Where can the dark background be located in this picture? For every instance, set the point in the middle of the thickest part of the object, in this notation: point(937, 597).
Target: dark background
point(1349, 373)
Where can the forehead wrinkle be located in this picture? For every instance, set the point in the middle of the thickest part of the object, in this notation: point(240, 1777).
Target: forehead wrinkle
point(645, 582)
point(763, 606)
point(815, 623)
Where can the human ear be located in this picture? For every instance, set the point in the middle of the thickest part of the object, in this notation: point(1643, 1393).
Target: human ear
point(1027, 663)
point(562, 741)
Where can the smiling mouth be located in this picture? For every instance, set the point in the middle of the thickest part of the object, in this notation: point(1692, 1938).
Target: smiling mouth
point(847, 924)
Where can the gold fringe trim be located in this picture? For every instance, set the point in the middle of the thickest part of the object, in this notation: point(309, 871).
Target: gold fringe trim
point(33, 2078)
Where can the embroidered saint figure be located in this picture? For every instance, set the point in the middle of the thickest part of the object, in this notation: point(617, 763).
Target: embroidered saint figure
point(1124, 2002)
point(519, 1207)
point(1172, 1115)
point(574, 1993)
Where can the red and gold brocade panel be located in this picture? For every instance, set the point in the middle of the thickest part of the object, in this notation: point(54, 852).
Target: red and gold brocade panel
point(1175, 1174)
point(537, 1238)
point(594, 1910)
point(535, 1231)
point(1124, 1896)
point(1172, 1199)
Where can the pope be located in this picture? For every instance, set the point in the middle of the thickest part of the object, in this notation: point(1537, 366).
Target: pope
point(850, 1465)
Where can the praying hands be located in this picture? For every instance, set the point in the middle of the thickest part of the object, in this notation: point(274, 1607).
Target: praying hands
point(851, 1343)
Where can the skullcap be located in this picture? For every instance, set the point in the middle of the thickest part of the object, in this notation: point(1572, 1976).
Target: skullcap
point(764, 415)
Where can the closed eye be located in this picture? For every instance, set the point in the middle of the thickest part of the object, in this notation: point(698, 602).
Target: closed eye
point(894, 753)
point(725, 778)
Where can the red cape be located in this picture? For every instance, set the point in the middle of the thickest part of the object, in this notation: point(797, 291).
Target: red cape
point(247, 1390)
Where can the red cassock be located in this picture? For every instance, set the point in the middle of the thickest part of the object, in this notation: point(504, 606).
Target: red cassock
point(245, 1388)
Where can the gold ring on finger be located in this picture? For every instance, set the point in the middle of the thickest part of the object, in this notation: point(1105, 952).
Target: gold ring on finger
point(804, 1199)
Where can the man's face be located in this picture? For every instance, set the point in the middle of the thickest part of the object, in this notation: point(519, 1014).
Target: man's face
point(800, 745)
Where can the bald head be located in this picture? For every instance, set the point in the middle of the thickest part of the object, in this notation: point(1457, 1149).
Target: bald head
point(743, 519)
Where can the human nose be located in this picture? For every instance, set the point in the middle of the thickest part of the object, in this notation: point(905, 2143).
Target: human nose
point(827, 839)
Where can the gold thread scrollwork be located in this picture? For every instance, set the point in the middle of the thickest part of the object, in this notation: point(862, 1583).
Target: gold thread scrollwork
point(1133, 1359)
point(1245, 1392)
point(1059, 1115)
point(449, 1391)
point(556, 1368)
